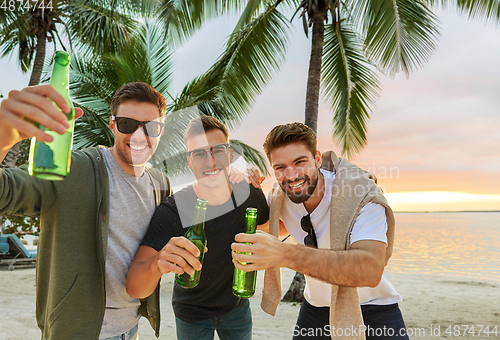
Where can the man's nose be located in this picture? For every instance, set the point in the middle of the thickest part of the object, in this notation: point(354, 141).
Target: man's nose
point(139, 134)
point(291, 173)
point(209, 159)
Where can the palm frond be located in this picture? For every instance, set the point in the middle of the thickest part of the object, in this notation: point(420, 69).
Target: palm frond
point(16, 32)
point(251, 10)
point(171, 152)
point(181, 18)
point(144, 8)
point(350, 85)
point(158, 55)
point(91, 88)
point(485, 10)
point(252, 56)
point(94, 80)
point(401, 35)
point(250, 155)
point(92, 131)
point(102, 29)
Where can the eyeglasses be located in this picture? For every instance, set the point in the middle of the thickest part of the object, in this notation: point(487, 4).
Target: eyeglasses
point(310, 239)
point(219, 151)
point(128, 125)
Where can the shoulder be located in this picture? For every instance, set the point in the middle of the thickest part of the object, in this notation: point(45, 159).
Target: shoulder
point(184, 197)
point(85, 164)
point(86, 155)
point(246, 187)
point(88, 159)
point(157, 175)
point(166, 213)
point(243, 189)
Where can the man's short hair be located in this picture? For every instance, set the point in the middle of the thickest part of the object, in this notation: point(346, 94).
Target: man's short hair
point(285, 134)
point(138, 92)
point(203, 124)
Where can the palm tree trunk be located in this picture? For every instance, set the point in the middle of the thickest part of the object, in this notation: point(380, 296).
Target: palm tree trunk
point(295, 292)
point(314, 73)
point(36, 74)
point(41, 42)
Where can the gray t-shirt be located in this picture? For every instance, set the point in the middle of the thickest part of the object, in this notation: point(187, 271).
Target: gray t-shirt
point(132, 203)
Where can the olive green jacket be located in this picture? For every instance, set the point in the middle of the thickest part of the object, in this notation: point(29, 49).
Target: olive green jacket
point(71, 256)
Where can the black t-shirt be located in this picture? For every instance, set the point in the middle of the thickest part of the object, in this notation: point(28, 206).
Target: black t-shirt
point(213, 296)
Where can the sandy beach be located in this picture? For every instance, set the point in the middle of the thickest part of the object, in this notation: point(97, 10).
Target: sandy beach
point(431, 304)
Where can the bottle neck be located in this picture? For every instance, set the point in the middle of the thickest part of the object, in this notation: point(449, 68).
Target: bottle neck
point(60, 78)
point(251, 224)
point(198, 222)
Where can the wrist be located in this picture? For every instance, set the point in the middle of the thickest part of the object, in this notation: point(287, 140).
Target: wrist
point(154, 266)
point(286, 255)
point(5, 141)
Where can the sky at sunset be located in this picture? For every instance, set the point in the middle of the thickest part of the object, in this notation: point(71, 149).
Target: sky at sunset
point(433, 139)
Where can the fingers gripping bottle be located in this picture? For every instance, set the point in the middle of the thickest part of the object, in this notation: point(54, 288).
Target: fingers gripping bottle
point(52, 160)
point(244, 282)
point(195, 234)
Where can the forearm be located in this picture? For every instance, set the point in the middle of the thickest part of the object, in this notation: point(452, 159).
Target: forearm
point(178, 256)
point(143, 278)
point(354, 267)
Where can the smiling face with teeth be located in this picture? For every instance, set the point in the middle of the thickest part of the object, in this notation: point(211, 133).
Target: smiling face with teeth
point(297, 171)
point(210, 172)
point(132, 151)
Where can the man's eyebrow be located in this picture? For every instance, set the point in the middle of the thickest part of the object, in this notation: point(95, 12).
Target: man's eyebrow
point(295, 160)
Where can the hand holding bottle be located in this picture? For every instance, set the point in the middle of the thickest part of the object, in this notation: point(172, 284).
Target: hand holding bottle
point(179, 256)
point(22, 108)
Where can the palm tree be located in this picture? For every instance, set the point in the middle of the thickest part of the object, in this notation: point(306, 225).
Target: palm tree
point(103, 26)
point(226, 91)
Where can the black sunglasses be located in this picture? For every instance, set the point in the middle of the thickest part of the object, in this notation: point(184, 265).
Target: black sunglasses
point(310, 239)
point(128, 125)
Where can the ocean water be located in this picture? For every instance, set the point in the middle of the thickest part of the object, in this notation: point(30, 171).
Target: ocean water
point(458, 244)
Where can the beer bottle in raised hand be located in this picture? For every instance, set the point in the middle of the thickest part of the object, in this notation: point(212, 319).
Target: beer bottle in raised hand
point(195, 234)
point(52, 160)
point(244, 282)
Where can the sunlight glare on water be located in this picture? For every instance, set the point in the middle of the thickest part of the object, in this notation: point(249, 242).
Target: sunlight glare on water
point(457, 244)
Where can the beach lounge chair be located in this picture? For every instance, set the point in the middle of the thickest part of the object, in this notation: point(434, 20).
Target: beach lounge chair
point(4, 249)
point(16, 253)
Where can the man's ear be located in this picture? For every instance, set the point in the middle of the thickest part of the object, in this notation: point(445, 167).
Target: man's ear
point(190, 166)
point(111, 123)
point(318, 159)
point(162, 131)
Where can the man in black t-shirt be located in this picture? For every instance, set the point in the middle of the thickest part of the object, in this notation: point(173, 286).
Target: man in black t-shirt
point(210, 305)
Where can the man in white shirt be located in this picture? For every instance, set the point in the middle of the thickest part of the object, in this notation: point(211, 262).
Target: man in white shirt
point(305, 212)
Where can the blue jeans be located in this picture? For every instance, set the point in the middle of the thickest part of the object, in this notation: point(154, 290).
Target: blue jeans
point(382, 322)
point(235, 325)
point(130, 335)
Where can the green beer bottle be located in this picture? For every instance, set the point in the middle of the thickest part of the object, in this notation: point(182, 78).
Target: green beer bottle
point(244, 282)
point(195, 234)
point(51, 161)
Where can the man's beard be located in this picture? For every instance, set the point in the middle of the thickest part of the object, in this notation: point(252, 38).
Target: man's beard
point(301, 197)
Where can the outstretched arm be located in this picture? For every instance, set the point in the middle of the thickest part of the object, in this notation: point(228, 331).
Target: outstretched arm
point(149, 265)
point(361, 266)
